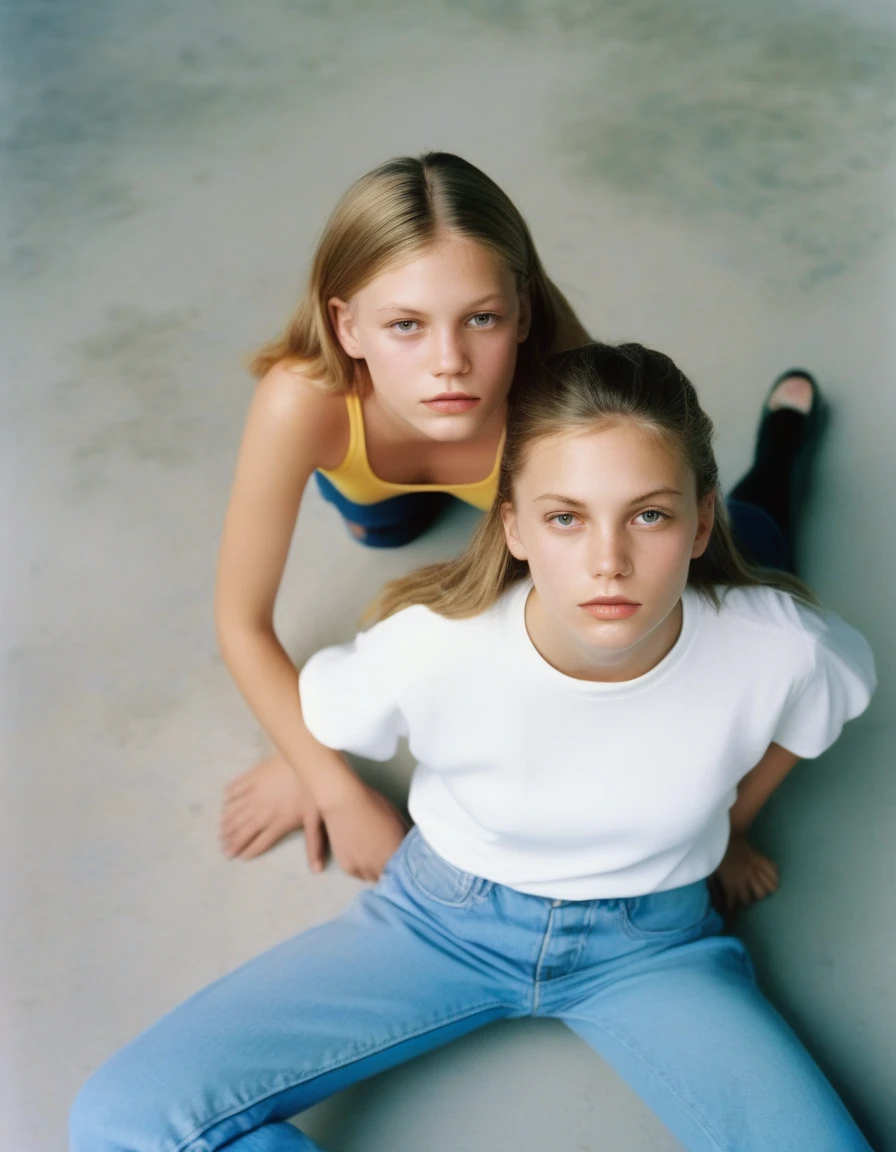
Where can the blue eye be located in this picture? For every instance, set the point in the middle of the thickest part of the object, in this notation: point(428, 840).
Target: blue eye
point(404, 325)
point(482, 319)
point(652, 516)
point(563, 520)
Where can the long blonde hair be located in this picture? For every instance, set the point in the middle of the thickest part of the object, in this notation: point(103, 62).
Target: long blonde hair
point(576, 390)
point(387, 218)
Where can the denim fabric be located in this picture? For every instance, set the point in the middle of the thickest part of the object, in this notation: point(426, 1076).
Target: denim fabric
point(432, 953)
point(389, 523)
point(758, 536)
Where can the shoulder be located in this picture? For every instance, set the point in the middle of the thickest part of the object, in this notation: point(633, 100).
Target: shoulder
point(808, 634)
point(291, 409)
point(422, 636)
point(768, 609)
point(412, 629)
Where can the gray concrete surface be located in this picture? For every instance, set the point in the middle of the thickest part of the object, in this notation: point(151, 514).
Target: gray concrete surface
point(715, 179)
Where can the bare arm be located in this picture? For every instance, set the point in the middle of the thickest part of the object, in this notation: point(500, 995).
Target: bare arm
point(758, 785)
point(292, 428)
point(745, 874)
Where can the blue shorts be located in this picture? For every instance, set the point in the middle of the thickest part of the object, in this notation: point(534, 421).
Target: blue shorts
point(388, 523)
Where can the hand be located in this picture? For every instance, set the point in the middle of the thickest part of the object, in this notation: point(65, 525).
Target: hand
point(264, 805)
point(745, 875)
point(364, 830)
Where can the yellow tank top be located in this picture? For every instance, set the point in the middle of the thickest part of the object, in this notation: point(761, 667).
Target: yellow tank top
point(356, 481)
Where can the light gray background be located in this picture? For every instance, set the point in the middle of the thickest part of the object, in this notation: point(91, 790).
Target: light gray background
point(714, 179)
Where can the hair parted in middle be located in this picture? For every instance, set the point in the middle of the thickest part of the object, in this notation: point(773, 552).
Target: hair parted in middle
point(388, 217)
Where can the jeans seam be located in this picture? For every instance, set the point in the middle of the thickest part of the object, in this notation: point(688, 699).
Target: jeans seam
point(331, 1067)
point(584, 933)
point(544, 945)
point(656, 1072)
point(466, 900)
point(475, 893)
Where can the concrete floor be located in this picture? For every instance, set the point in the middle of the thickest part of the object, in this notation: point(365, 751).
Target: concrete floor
point(715, 179)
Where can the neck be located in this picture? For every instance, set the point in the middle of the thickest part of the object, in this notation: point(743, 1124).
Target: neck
point(583, 661)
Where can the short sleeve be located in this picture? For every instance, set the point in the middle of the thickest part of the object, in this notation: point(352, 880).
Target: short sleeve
point(350, 693)
point(836, 688)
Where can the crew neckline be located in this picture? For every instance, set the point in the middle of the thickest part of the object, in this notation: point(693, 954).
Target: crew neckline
point(690, 621)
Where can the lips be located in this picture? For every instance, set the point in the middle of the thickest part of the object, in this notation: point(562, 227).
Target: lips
point(452, 403)
point(609, 600)
point(610, 607)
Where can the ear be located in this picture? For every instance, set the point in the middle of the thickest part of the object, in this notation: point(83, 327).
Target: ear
point(514, 544)
point(525, 321)
point(706, 515)
point(343, 321)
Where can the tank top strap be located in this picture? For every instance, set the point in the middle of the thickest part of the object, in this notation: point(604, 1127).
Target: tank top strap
point(355, 460)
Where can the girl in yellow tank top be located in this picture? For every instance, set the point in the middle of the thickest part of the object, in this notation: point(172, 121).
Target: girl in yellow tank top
point(425, 298)
point(467, 307)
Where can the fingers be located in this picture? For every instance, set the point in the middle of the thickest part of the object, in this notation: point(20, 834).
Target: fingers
point(238, 788)
point(238, 832)
point(747, 884)
point(761, 880)
point(315, 841)
point(266, 838)
point(756, 888)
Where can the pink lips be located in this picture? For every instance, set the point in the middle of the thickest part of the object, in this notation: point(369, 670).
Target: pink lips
point(610, 608)
point(452, 403)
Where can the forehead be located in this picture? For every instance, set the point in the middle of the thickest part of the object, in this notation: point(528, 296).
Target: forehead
point(611, 460)
point(454, 270)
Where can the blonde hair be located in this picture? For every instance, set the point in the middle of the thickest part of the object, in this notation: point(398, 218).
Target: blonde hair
point(387, 218)
point(575, 390)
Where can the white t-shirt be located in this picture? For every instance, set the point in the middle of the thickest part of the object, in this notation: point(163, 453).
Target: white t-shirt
point(577, 790)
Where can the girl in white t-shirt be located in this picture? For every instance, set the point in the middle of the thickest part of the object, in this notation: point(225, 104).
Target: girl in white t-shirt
point(599, 693)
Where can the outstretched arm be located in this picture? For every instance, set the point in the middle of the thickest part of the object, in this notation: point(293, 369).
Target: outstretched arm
point(292, 429)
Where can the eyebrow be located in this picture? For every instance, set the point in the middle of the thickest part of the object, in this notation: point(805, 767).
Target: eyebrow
point(394, 306)
point(570, 501)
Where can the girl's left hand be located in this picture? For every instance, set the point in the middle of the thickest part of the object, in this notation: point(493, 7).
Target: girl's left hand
point(745, 875)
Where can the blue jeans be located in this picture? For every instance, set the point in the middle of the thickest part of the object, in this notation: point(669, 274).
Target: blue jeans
point(432, 953)
point(758, 536)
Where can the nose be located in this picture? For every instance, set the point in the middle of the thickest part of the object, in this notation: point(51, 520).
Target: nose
point(449, 357)
point(609, 554)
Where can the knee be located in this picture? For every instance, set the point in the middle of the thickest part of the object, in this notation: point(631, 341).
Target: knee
point(85, 1119)
point(102, 1115)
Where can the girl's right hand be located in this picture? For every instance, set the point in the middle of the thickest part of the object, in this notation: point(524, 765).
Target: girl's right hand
point(364, 829)
point(264, 805)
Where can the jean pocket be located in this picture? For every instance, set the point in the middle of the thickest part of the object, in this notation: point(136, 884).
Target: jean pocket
point(436, 878)
point(674, 912)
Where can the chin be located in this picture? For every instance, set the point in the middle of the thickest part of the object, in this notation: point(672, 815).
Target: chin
point(612, 635)
point(449, 428)
point(616, 643)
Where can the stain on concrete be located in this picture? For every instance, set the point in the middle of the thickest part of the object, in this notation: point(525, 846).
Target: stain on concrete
point(94, 86)
point(131, 380)
point(779, 114)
